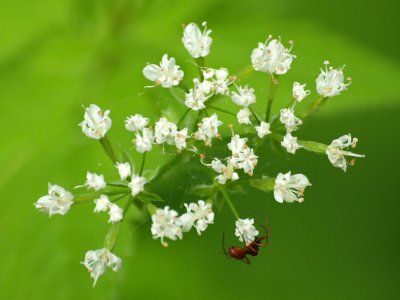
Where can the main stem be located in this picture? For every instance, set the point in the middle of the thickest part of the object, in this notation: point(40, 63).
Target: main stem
point(142, 165)
point(271, 96)
point(229, 201)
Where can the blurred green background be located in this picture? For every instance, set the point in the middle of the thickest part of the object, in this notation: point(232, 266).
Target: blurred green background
point(55, 56)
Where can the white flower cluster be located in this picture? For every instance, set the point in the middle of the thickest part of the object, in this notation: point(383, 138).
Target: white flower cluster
point(164, 132)
point(242, 157)
point(215, 82)
point(104, 204)
point(208, 129)
point(272, 57)
point(167, 224)
point(269, 57)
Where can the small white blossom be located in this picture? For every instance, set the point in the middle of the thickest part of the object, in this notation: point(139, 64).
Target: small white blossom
point(144, 141)
point(165, 131)
point(97, 261)
point(243, 116)
point(290, 188)
point(197, 215)
point(197, 43)
point(245, 230)
point(227, 172)
point(96, 123)
point(58, 201)
point(245, 97)
point(94, 181)
point(299, 92)
point(167, 74)
point(115, 212)
point(289, 119)
point(136, 122)
point(165, 225)
point(195, 98)
point(290, 143)
point(246, 160)
point(102, 204)
point(263, 129)
point(221, 82)
point(330, 82)
point(237, 145)
point(137, 184)
point(124, 170)
point(337, 151)
point(180, 138)
point(208, 129)
point(272, 58)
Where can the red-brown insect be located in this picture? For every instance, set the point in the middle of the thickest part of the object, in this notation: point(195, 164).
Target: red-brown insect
point(253, 248)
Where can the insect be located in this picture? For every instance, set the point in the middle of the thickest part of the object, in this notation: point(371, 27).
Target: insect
point(252, 248)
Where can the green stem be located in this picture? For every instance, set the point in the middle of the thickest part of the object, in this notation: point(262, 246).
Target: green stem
point(105, 143)
point(111, 236)
point(228, 200)
point(142, 165)
point(200, 65)
point(255, 116)
point(314, 106)
point(91, 196)
point(271, 95)
point(183, 116)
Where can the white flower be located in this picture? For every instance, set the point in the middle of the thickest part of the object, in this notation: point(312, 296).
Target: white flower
point(136, 122)
point(195, 98)
point(102, 204)
point(245, 230)
point(165, 225)
point(263, 129)
point(290, 188)
point(272, 58)
point(167, 74)
point(237, 144)
point(221, 82)
point(137, 184)
point(97, 261)
point(165, 131)
point(246, 160)
point(96, 123)
point(180, 138)
point(330, 82)
point(94, 181)
point(115, 212)
point(245, 97)
point(208, 129)
point(58, 201)
point(289, 119)
point(243, 116)
point(144, 142)
point(299, 92)
point(197, 43)
point(227, 172)
point(337, 154)
point(124, 170)
point(197, 215)
point(290, 143)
